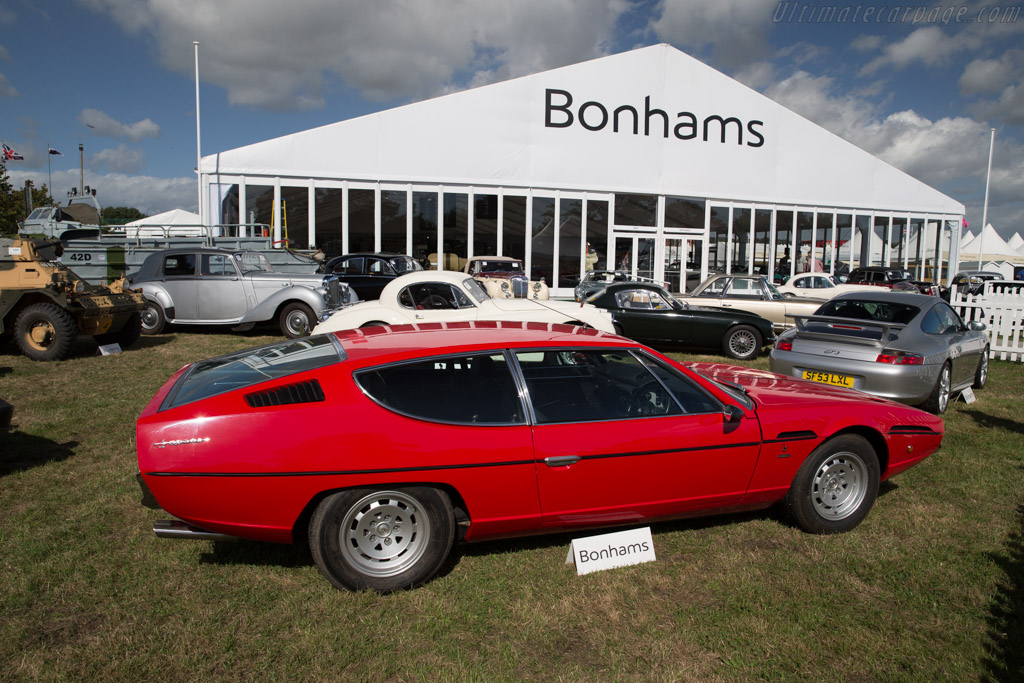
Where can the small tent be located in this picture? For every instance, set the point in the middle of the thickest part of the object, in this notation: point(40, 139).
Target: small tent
point(173, 223)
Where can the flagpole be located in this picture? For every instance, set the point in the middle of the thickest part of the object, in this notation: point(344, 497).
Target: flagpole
point(199, 174)
point(984, 212)
point(49, 174)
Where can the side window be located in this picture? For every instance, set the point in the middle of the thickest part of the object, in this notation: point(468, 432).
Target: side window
point(375, 267)
point(405, 299)
point(352, 266)
point(633, 298)
point(473, 389)
point(691, 397)
point(180, 264)
point(716, 288)
point(941, 320)
point(589, 386)
point(745, 288)
point(802, 283)
point(217, 265)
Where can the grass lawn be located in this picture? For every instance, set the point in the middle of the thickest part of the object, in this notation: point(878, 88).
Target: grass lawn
point(929, 587)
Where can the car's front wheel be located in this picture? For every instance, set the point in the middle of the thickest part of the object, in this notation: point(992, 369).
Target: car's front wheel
point(834, 489)
point(741, 342)
point(296, 320)
point(981, 374)
point(153, 320)
point(382, 540)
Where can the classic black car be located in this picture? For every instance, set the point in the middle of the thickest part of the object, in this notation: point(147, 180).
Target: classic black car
point(649, 314)
point(368, 273)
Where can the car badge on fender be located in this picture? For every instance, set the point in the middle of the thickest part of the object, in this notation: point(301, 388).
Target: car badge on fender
point(181, 442)
point(833, 352)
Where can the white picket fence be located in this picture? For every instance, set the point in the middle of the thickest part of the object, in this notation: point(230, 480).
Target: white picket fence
point(1001, 308)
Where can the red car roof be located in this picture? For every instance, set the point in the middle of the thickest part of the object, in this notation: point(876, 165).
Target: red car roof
point(388, 341)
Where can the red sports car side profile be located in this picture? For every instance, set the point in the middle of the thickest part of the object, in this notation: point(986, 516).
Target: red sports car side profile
point(385, 445)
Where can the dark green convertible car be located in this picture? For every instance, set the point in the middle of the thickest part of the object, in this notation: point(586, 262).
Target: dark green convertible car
point(649, 314)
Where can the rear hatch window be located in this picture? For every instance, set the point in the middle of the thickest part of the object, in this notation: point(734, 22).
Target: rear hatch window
point(245, 368)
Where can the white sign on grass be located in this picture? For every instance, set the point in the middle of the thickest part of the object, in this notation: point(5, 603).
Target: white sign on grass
point(607, 551)
point(108, 349)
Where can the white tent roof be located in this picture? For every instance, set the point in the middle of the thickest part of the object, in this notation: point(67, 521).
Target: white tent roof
point(651, 120)
point(995, 247)
point(966, 237)
point(167, 218)
point(176, 222)
point(1016, 242)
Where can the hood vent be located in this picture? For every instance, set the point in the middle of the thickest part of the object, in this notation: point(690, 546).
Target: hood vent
point(301, 392)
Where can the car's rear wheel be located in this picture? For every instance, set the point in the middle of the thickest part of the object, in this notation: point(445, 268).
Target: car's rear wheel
point(153, 320)
point(981, 374)
point(373, 323)
point(45, 332)
point(382, 540)
point(938, 400)
point(741, 342)
point(834, 489)
point(296, 320)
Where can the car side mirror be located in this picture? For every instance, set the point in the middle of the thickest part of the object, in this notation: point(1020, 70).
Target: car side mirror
point(732, 414)
point(976, 326)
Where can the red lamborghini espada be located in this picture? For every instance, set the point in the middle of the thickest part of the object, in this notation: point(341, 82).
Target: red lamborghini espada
point(382, 446)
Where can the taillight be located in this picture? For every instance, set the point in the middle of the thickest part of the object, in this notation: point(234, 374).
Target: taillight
point(783, 345)
point(899, 358)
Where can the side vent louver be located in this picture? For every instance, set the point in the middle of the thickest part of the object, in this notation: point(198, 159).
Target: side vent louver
point(302, 392)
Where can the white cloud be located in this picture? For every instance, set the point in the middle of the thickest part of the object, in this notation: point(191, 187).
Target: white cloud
point(735, 30)
point(992, 75)
point(6, 89)
point(147, 194)
point(866, 43)
point(285, 55)
point(120, 159)
point(1009, 108)
point(928, 46)
point(107, 126)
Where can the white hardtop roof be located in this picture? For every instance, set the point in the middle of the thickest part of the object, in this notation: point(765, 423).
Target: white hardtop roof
point(496, 135)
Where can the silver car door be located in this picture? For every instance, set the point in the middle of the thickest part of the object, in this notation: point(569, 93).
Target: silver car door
point(220, 290)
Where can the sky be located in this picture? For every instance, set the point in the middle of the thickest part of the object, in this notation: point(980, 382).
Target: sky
point(918, 85)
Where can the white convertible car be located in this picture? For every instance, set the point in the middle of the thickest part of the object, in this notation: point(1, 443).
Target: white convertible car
point(819, 286)
point(447, 296)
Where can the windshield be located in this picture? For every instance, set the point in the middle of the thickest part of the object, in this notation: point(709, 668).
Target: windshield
point(476, 289)
point(245, 368)
point(405, 264)
point(776, 294)
point(482, 266)
point(250, 261)
point(879, 311)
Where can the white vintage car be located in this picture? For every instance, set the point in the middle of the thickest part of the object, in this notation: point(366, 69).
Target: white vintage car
point(819, 286)
point(504, 278)
point(447, 296)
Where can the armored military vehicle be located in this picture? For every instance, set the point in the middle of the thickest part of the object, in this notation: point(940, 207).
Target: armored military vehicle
point(45, 306)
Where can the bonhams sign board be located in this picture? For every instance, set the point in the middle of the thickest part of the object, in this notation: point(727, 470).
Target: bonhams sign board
point(607, 551)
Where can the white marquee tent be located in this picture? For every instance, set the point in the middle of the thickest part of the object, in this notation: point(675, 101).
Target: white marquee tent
point(176, 222)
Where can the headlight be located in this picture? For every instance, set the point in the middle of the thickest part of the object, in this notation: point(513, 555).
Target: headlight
point(536, 286)
point(504, 286)
point(79, 287)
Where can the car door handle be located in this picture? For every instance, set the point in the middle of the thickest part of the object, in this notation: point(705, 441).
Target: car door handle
point(561, 460)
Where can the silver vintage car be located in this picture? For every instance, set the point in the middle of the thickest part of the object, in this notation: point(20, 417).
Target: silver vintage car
point(903, 346)
point(210, 286)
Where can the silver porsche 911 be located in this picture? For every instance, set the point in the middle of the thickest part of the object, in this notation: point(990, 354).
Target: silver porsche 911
point(908, 347)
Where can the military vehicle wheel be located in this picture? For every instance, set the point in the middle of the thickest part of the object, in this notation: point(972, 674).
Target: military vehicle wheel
point(153, 320)
point(126, 336)
point(45, 332)
point(297, 320)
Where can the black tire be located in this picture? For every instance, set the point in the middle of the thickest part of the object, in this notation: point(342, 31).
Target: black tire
point(742, 342)
point(153, 319)
point(981, 373)
point(126, 336)
point(373, 323)
point(938, 400)
point(835, 487)
point(296, 320)
point(45, 332)
point(382, 539)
